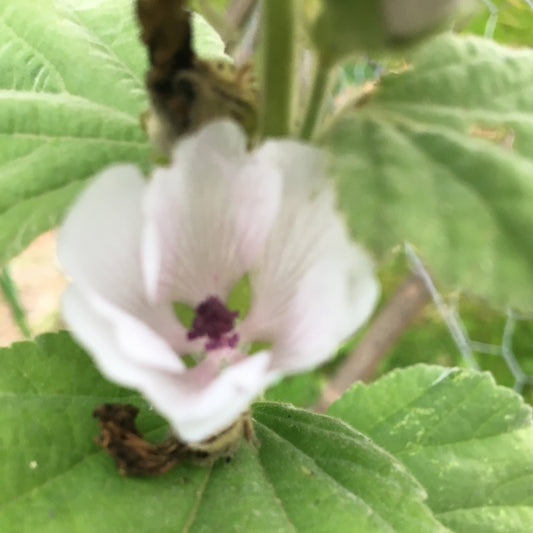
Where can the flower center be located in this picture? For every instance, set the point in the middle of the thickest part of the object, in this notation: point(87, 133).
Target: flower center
point(216, 322)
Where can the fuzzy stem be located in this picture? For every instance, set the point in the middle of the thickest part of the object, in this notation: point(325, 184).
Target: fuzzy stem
point(277, 27)
point(10, 293)
point(319, 94)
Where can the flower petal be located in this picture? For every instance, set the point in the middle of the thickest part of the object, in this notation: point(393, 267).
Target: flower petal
point(98, 244)
point(207, 216)
point(199, 405)
point(122, 346)
point(99, 248)
point(198, 402)
point(312, 287)
point(218, 212)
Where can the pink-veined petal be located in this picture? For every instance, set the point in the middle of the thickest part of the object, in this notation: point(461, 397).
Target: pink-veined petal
point(135, 345)
point(98, 244)
point(99, 248)
point(312, 287)
point(97, 336)
point(207, 216)
point(198, 407)
point(216, 213)
point(333, 299)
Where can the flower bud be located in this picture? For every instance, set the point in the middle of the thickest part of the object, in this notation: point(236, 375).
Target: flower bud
point(342, 27)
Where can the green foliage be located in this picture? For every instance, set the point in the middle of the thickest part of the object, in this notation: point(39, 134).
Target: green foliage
point(507, 21)
point(71, 93)
point(440, 155)
point(468, 442)
point(330, 479)
point(311, 473)
point(302, 390)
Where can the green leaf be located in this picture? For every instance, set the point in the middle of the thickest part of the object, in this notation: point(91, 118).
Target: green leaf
point(302, 390)
point(330, 478)
point(508, 21)
point(311, 472)
point(468, 442)
point(71, 92)
point(440, 155)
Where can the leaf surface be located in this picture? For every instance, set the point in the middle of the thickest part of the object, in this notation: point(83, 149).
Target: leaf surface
point(311, 473)
point(468, 441)
point(439, 155)
point(71, 95)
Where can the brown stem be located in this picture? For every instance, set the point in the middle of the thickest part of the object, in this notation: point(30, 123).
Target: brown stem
point(238, 11)
point(397, 315)
point(243, 52)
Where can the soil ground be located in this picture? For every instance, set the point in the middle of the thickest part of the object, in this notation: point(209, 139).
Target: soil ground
point(40, 283)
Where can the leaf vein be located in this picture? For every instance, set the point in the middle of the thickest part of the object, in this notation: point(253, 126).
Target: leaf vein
point(48, 138)
point(197, 501)
point(500, 222)
point(105, 110)
point(344, 490)
point(37, 54)
point(272, 486)
point(76, 19)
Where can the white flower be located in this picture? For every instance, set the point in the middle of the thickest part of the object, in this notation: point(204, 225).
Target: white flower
point(133, 248)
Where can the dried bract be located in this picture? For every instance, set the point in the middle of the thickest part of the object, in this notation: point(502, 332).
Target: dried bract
point(186, 91)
